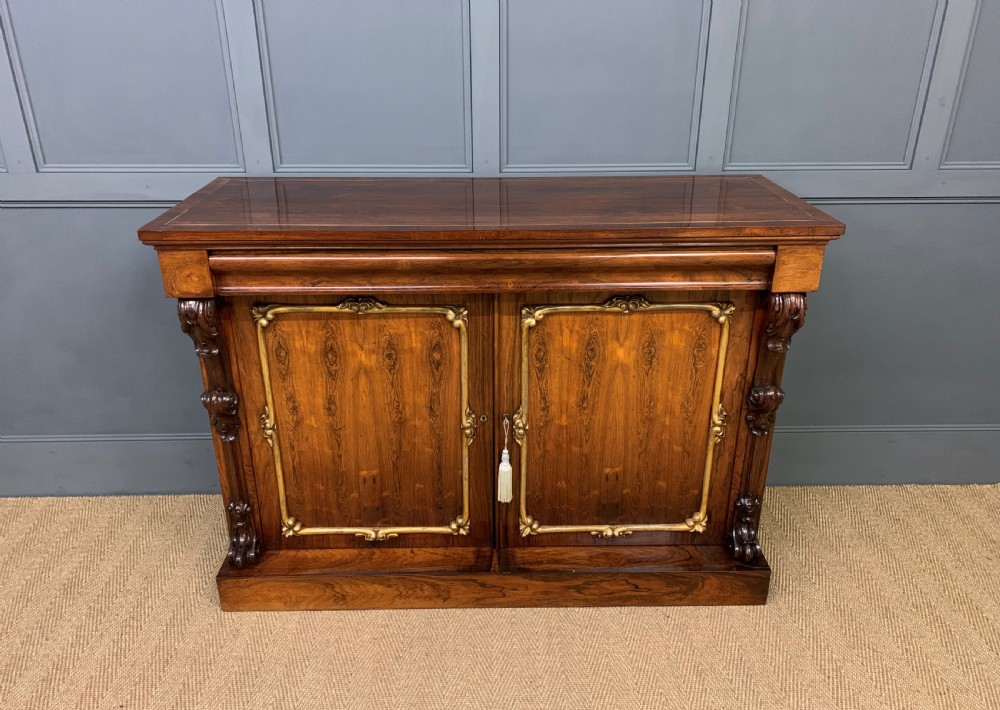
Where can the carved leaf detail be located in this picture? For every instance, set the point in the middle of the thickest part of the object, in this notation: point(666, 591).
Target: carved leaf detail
point(762, 404)
point(787, 315)
point(199, 320)
point(743, 544)
point(244, 547)
point(222, 406)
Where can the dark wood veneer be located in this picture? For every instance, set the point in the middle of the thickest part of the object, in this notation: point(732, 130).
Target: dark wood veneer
point(362, 339)
point(476, 213)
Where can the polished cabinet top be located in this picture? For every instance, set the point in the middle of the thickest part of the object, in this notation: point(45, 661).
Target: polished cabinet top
point(477, 213)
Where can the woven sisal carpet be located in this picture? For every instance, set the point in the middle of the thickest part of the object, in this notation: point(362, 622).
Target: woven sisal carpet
point(883, 597)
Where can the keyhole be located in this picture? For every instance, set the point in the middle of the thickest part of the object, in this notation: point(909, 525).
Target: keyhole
point(482, 418)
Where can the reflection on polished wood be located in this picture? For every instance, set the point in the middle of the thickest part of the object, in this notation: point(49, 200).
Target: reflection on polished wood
point(490, 212)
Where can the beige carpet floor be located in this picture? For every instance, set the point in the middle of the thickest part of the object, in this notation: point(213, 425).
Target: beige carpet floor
point(882, 597)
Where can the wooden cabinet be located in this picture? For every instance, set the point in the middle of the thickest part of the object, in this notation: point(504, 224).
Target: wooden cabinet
point(370, 346)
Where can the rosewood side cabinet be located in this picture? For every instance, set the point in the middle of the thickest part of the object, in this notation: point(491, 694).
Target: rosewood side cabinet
point(491, 391)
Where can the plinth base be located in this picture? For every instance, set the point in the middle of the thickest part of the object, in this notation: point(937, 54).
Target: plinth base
point(524, 577)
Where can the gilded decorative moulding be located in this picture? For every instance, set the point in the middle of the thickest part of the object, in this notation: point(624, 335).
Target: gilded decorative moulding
point(469, 426)
point(722, 313)
point(458, 316)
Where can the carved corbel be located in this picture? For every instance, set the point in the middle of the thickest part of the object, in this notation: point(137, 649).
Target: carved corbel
point(762, 403)
point(787, 313)
point(244, 547)
point(742, 543)
point(199, 319)
point(222, 410)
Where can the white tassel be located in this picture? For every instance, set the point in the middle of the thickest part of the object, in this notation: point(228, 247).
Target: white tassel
point(505, 488)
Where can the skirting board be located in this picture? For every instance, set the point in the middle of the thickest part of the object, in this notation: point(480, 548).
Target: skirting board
point(920, 455)
point(159, 463)
point(138, 465)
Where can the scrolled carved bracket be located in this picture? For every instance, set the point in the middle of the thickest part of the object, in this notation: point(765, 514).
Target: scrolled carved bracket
point(222, 406)
point(199, 320)
point(787, 313)
point(762, 404)
point(742, 543)
point(244, 546)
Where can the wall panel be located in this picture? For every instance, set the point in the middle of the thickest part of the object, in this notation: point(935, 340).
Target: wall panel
point(90, 345)
point(597, 85)
point(356, 85)
point(124, 86)
point(901, 331)
point(974, 138)
point(822, 85)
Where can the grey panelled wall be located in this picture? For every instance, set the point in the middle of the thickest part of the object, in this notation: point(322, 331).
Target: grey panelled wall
point(562, 84)
point(408, 109)
point(884, 113)
point(78, 118)
point(840, 120)
point(975, 135)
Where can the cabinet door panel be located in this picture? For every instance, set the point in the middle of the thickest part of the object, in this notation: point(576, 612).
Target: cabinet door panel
point(622, 416)
point(369, 412)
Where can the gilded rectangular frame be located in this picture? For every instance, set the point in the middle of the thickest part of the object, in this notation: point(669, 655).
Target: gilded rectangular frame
point(290, 526)
point(530, 316)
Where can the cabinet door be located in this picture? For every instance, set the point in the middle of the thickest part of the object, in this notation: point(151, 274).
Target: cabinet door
point(623, 415)
point(369, 431)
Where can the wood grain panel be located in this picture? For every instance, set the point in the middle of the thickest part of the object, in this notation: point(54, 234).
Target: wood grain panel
point(797, 268)
point(489, 213)
point(699, 579)
point(185, 273)
point(489, 271)
point(368, 415)
point(619, 412)
point(610, 442)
